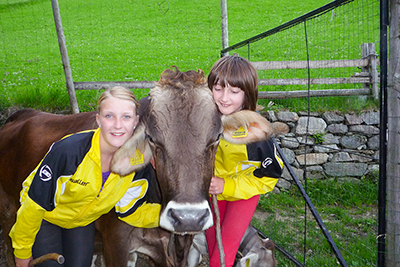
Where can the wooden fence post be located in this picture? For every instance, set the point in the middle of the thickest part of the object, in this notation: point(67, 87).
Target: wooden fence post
point(368, 52)
point(392, 257)
point(64, 56)
point(224, 26)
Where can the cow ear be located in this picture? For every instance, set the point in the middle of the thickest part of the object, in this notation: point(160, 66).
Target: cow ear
point(268, 243)
point(133, 155)
point(245, 127)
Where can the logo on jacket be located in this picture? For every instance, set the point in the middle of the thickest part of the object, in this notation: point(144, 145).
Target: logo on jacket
point(266, 162)
point(239, 133)
point(45, 173)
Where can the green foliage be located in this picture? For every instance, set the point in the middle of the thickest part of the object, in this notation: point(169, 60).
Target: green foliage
point(318, 138)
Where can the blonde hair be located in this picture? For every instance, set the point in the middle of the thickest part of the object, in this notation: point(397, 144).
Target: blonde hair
point(118, 92)
point(237, 72)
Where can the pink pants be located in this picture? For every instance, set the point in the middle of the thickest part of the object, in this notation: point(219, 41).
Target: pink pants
point(235, 217)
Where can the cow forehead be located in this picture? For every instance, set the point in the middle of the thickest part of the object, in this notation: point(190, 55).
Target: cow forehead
point(164, 95)
point(193, 108)
point(184, 122)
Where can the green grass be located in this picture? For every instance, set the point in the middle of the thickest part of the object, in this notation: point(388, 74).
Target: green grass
point(348, 209)
point(119, 41)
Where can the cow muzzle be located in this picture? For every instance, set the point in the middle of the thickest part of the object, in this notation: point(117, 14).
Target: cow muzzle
point(186, 218)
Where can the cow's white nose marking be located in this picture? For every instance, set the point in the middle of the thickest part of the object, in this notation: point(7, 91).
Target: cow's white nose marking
point(186, 217)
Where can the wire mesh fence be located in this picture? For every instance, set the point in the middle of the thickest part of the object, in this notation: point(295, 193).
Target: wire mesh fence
point(334, 32)
point(340, 179)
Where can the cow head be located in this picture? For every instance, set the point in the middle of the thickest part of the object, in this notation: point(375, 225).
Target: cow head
point(255, 251)
point(260, 253)
point(180, 127)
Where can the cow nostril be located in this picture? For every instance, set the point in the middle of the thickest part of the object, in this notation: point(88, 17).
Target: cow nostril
point(188, 219)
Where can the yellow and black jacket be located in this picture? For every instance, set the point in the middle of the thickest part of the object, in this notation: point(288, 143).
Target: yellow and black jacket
point(247, 170)
point(66, 190)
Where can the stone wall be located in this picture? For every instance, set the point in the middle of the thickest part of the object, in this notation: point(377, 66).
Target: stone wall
point(343, 146)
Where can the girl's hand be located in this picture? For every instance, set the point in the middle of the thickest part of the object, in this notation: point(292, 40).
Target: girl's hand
point(216, 185)
point(22, 262)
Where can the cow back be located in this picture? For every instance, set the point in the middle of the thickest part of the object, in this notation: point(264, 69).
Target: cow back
point(27, 136)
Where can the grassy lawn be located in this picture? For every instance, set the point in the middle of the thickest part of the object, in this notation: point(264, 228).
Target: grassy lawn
point(118, 41)
point(347, 208)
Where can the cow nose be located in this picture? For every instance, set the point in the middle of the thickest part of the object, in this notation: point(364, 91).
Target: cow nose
point(188, 220)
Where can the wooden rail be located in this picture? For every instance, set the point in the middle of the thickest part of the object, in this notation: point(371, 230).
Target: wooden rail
point(313, 93)
point(106, 85)
point(368, 77)
point(273, 65)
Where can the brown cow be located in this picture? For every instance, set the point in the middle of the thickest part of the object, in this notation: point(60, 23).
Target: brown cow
point(179, 126)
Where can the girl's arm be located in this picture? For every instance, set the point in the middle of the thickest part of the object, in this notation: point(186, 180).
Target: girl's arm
point(38, 196)
point(260, 177)
point(23, 233)
point(141, 205)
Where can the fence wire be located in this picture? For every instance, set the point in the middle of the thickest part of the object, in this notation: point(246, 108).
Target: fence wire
point(341, 180)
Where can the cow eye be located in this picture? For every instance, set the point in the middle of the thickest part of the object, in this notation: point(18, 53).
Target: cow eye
point(150, 138)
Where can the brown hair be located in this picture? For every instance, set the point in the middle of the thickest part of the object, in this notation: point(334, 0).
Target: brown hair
point(237, 72)
point(118, 92)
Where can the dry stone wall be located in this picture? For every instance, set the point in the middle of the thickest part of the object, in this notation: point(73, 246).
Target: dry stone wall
point(343, 146)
